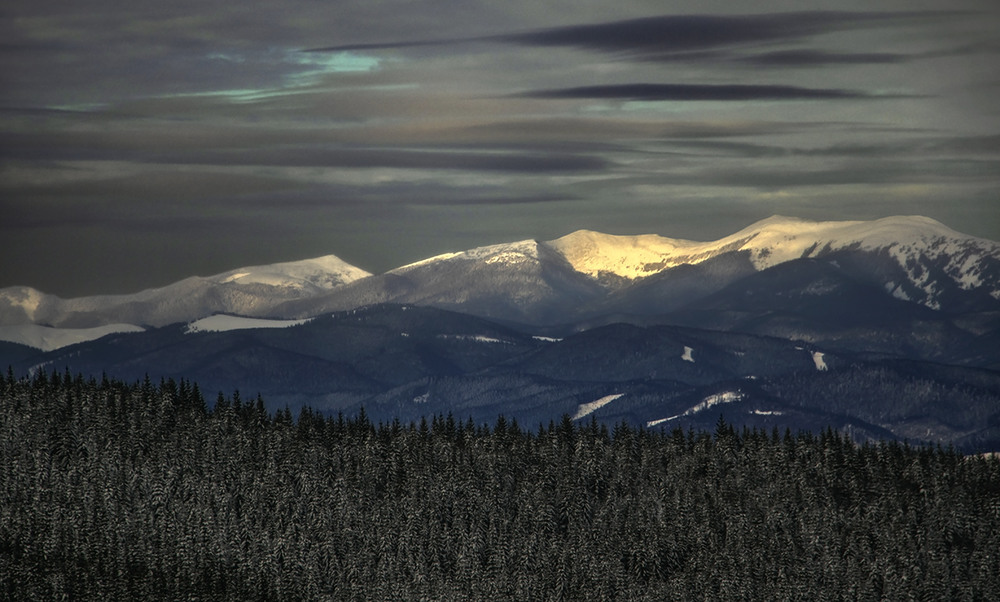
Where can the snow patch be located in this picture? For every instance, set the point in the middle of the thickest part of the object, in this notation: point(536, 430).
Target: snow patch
point(235, 277)
point(546, 339)
point(587, 408)
point(224, 323)
point(714, 400)
point(686, 356)
point(768, 412)
point(422, 398)
point(508, 258)
point(46, 338)
point(819, 361)
point(472, 337)
point(708, 402)
point(896, 290)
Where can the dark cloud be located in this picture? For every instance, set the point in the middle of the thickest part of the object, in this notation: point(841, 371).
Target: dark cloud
point(696, 92)
point(668, 36)
point(665, 35)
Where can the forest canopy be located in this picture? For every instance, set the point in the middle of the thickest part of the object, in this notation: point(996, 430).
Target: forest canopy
point(120, 491)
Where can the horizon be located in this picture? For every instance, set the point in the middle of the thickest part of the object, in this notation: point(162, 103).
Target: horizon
point(143, 144)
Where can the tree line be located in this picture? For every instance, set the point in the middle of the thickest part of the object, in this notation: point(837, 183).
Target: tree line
point(119, 491)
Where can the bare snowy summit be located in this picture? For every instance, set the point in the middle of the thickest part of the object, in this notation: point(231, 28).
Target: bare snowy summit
point(321, 273)
point(930, 255)
point(250, 291)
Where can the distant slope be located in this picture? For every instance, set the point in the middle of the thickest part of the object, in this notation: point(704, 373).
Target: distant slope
point(818, 301)
point(46, 338)
point(406, 362)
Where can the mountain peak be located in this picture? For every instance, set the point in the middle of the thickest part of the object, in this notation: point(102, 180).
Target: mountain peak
point(917, 245)
point(322, 273)
point(507, 253)
point(251, 291)
point(887, 230)
point(629, 257)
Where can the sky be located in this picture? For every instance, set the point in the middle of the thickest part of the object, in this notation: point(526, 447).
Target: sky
point(145, 141)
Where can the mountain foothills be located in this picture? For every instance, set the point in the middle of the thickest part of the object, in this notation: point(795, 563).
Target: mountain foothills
point(882, 329)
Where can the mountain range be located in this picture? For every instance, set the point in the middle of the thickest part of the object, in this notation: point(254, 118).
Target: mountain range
point(888, 328)
point(581, 275)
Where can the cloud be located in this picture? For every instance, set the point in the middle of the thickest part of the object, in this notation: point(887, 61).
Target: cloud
point(696, 92)
point(664, 35)
point(404, 159)
point(478, 158)
point(668, 37)
point(817, 58)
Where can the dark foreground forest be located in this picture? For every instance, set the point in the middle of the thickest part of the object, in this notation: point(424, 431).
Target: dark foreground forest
point(115, 491)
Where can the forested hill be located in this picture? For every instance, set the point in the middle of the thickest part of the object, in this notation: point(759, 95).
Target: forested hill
point(118, 491)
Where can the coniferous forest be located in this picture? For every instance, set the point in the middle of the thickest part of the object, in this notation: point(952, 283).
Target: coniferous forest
point(130, 491)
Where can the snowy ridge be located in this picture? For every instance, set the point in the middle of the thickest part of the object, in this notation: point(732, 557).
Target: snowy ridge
point(506, 253)
point(912, 258)
point(917, 244)
point(630, 257)
point(250, 291)
point(320, 273)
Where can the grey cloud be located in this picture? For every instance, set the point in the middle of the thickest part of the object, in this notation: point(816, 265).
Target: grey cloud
point(817, 58)
point(695, 92)
point(480, 158)
point(922, 148)
point(407, 159)
point(773, 177)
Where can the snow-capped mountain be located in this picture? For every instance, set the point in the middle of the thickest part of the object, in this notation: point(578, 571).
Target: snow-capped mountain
point(587, 274)
point(582, 276)
point(915, 258)
point(525, 281)
point(248, 291)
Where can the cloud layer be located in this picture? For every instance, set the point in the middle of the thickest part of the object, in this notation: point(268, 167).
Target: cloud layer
point(145, 143)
